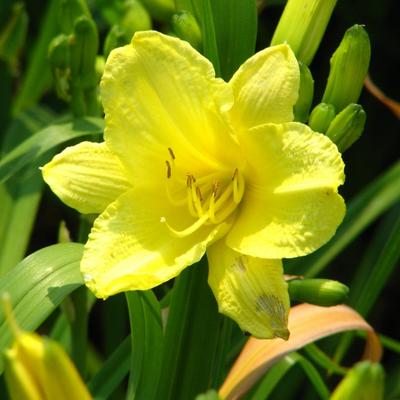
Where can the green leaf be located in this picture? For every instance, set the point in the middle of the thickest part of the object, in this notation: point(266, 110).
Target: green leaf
point(235, 23)
point(37, 77)
point(38, 284)
point(275, 375)
point(362, 211)
point(210, 47)
point(45, 140)
point(146, 344)
point(113, 371)
point(20, 196)
point(191, 337)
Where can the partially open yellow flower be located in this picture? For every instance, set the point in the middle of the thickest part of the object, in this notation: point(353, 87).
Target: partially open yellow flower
point(191, 163)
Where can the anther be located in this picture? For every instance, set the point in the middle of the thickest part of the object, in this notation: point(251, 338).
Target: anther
point(215, 187)
point(235, 173)
point(198, 192)
point(189, 180)
point(168, 169)
point(171, 153)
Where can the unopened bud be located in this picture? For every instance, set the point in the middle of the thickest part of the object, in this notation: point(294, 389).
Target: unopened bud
point(37, 368)
point(349, 67)
point(13, 36)
point(321, 117)
point(364, 381)
point(322, 292)
point(69, 11)
point(84, 45)
point(306, 93)
point(347, 126)
point(59, 60)
point(59, 56)
point(161, 10)
point(187, 28)
point(135, 18)
point(302, 25)
point(116, 37)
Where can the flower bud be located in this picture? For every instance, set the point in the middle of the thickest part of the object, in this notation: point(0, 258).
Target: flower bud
point(186, 28)
point(321, 117)
point(36, 368)
point(13, 35)
point(349, 67)
point(161, 10)
point(59, 56)
point(347, 126)
point(69, 11)
point(306, 93)
point(59, 60)
point(116, 37)
point(302, 25)
point(135, 18)
point(322, 292)
point(364, 381)
point(84, 45)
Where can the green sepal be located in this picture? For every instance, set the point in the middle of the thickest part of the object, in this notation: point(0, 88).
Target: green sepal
point(322, 292)
point(347, 127)
point(306, 93)
point(349, 67)
point(321, 117)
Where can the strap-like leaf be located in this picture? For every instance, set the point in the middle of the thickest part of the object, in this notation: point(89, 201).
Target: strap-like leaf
point(307, 323)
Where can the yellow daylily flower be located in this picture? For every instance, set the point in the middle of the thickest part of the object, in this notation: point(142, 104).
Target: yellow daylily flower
point(191, 163)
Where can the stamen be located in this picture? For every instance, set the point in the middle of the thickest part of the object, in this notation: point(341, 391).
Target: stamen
point(198, 193)
point(168, 169)
point(189, 180)
point(189, 230)
point(192, 211)
point(197, 200)
point(211, 208)
point(171, 153)
point(238, 186)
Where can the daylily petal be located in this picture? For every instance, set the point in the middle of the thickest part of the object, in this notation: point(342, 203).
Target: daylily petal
point(250, 290)
point(129, 248)
point(87, 177)
point(265, 88)
point(159, 93)
point(291, 206)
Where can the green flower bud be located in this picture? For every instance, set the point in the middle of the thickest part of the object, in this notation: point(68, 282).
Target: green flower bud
point(302, 26)
point(135, 18)
point(306, 93)
point(84, 45)
point(364, 381)
point(59, 56)
point(321, 117)
point(69, 11)
point(59, 59)
point(161, 10)
point(13, 36)
point(347, 126)
point(116, 37)
point(322, 292)
point(349, 66)
point(187, 28)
